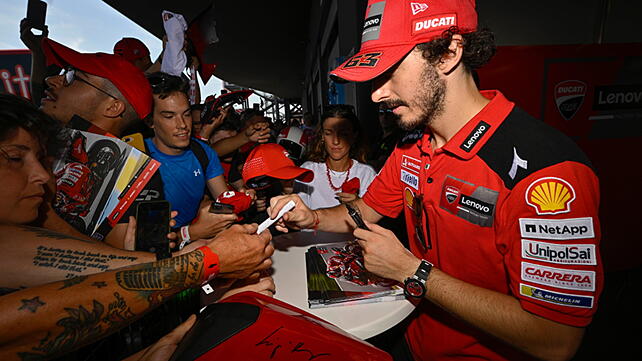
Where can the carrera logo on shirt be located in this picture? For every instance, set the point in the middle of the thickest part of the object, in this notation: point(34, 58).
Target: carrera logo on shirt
point(410, 163)
point(559, 253)
point(558, 277)
point(557, 298)
point(410, 179)
point(474, 136)
point(473, 203)
point(557, 229)
point(550, 195)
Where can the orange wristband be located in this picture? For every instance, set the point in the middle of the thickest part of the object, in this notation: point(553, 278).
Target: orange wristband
point(211, 266)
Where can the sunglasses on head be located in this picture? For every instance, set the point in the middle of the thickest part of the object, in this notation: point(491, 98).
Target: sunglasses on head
point(69, 74)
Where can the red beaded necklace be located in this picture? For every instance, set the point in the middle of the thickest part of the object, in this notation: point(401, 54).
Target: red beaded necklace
point(327, 172)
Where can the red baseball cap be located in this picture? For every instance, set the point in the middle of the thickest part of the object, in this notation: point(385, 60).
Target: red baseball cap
point(129, 80)
point(131, 49)
point(272, 160)
point(392, 28)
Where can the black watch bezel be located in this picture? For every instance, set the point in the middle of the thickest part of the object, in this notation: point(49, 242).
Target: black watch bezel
point(411, 286)
point(415, 286)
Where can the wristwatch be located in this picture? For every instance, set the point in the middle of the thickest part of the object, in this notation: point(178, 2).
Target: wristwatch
point(415, 286)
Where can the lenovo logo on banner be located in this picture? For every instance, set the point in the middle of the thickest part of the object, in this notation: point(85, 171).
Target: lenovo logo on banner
point(558, 277)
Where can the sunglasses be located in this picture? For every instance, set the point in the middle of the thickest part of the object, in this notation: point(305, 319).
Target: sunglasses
point(418, 213)
point(69, 75)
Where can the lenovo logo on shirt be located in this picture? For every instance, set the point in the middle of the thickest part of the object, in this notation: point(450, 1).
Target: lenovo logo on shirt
point(474, 136)
point(476, 204)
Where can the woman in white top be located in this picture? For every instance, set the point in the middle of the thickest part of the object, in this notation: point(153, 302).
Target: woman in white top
point(336, 156)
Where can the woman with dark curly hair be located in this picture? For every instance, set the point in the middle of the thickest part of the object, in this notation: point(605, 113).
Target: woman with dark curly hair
point(337, 157)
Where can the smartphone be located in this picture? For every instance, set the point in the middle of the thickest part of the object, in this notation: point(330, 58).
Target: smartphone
point(152, 226)
point(221, 208)
point(356, 217)
point(36, 13)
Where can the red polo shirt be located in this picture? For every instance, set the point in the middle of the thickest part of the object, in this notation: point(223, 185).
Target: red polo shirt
point(509, 204)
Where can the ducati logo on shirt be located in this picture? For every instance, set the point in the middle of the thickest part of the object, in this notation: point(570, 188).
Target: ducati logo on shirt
point(569, 96)
point(550, 195)
point(476, 204)
point(451, 193)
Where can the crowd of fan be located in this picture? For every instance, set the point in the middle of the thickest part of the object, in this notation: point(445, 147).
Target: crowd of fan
point(210, 152)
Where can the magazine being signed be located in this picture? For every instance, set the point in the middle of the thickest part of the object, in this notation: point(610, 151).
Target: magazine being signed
point(336, 275)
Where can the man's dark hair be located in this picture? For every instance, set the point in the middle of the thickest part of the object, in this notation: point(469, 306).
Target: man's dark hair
point(479, 47)
point(164, 84)
point(17, 112)
point(247, 114)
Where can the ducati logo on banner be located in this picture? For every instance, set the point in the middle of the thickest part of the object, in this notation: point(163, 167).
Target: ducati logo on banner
point(569, 96)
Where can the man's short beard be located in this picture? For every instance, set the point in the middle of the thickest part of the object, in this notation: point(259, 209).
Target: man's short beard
point(429, 100)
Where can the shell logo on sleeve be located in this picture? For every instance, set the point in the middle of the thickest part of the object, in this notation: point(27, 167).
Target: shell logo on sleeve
point(550, 195)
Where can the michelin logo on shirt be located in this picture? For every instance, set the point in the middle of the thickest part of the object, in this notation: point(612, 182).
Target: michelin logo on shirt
point(558, 298)
point(557, 229)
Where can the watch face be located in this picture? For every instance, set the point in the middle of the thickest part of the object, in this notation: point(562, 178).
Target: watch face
point(414, 288)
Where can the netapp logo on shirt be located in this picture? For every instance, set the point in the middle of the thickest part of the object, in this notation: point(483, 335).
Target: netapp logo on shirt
point(475, 136)
point(557, 229)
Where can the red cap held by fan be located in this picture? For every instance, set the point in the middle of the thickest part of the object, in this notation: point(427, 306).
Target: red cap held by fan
point(240, 201)
point(351, 186)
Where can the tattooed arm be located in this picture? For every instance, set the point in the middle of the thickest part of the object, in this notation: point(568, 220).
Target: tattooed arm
point(35, 256)
point(49, 320)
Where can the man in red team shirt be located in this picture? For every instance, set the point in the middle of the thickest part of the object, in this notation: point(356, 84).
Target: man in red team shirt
point(501, 209)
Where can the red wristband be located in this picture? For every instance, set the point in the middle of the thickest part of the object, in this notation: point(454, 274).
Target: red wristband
point(211, 266)
point(202, 138)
